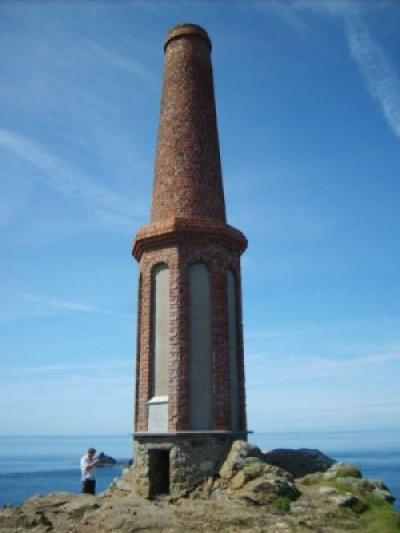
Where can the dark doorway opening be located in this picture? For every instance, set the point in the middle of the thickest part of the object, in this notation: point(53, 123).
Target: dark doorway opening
point(158, 472)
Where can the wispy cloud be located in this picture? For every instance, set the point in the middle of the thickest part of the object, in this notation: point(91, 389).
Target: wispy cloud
point(48, 369)
point(381, 77)
point(290, 367)
point(324, 329)
point(154, 8)
point(286, 11)
point(332, 7)
point(333, 365)
point(70, 306)
point(380, 74)
point(14, 193)
point(130, 65)
point(109, 207)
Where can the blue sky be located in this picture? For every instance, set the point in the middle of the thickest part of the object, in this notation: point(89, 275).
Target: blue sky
point(309, 122)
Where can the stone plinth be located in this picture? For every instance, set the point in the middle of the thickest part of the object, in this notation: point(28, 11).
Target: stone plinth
point(191, 457)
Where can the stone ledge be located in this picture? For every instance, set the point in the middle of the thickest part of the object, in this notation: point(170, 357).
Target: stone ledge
point(174, 230)
point(189, 433)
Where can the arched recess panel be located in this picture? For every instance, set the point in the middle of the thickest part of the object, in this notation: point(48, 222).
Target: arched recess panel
point(200, 365)
point(138, 331)
point(233, 349)
point(158, 403)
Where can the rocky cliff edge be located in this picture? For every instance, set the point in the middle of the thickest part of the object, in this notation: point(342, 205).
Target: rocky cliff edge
point(278, 491)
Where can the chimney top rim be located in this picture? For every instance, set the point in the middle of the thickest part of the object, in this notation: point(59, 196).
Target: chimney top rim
point(187, 29)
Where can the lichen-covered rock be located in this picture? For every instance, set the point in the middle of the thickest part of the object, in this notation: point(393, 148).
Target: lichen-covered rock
point(349, 482)
point(384, 495)
point(297, 507)
point(255, 468)
point(342, 470)
point(246, 476)
point(327, 490)
point(299, 462)
point(261, 484)
point(264, 490)
point(374, 484)
point(312, 479)
point(238, 480)
point(123, 484)
point(365, 486)
point(349, 477)
point(240, 451)
point(345, 500)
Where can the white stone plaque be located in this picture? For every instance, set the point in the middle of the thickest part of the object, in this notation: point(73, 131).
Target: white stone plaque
point(158, 414)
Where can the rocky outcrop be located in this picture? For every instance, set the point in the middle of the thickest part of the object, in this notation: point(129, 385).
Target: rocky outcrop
point(246, 476)
point(346, 478)
point(105, 459)
point(239, 453)
point(248, 494)
point(299, 462)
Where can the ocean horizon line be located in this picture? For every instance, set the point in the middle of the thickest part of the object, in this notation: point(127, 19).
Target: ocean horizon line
point(253, 432)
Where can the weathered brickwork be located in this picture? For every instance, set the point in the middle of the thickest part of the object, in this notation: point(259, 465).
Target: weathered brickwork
point(178, 258)
point(188, 179)
point(188, 226)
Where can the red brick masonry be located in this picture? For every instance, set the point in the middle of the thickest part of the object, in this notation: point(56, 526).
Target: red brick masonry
point(188, 180)
point(188, 225)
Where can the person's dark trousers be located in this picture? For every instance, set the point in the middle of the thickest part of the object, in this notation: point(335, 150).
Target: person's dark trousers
point(89, 486)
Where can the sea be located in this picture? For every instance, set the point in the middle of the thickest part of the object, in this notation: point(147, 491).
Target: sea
point(32, 465)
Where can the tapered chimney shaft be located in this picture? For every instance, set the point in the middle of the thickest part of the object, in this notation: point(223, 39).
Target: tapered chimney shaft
point(188, 182)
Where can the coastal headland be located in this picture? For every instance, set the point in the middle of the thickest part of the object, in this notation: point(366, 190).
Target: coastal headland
point(278, 491)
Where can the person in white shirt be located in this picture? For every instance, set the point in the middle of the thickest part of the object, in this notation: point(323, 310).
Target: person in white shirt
point(88, 472)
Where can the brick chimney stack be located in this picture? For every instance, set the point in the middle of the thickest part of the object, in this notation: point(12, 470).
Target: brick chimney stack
point(190, 397)
point(188, 180)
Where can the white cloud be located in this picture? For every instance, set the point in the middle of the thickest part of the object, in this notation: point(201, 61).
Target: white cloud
point(50, 400)
point(381, 77)
point(154, 8)
point(48, 369)
point(58, 174)
point(70, 306)
point(292, 367)
point(124, 63)
point(14, 193)
point(328, 366)
point(21, 305)
point(326, 7)
point(285, 10)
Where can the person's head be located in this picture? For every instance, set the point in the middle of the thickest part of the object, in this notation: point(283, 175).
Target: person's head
point(91, 452)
